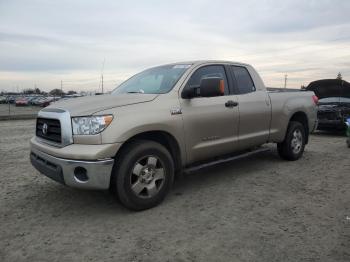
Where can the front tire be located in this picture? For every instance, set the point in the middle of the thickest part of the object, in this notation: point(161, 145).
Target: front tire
point(143, 174)
point(292, 148)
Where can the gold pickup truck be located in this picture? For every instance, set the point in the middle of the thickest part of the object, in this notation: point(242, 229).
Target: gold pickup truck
point(162, 121)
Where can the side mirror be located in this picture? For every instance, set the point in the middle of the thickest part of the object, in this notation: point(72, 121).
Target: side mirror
point(190, 92)
point(213, 86)
point(209, 87)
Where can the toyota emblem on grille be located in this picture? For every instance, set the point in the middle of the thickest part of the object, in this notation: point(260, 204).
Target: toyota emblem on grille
point(45, 128)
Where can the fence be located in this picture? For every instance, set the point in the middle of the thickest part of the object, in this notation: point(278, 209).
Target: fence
point(11, 111)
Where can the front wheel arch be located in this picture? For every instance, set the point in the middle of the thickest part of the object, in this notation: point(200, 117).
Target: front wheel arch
point(122, 173)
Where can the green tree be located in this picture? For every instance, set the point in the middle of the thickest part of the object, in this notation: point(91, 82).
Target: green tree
point(339, 76)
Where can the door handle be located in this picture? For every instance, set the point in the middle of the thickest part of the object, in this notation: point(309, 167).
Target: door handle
point(231, 103)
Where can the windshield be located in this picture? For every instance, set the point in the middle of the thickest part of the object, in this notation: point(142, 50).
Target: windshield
point(328, 100)
point(157, 80)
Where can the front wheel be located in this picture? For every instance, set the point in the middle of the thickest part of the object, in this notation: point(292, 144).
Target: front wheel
point(292, 148)
point(143, 174)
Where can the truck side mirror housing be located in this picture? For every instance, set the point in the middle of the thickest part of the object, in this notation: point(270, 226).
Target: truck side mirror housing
point(212, 86)
point(189, 92)
point(209, 87)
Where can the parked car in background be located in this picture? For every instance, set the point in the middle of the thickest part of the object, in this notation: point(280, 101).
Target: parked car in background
point(33, 99)
point(46, 102)
point(3, 99)
point(11, 100)
point(22, 101)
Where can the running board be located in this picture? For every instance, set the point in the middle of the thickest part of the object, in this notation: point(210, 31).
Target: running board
point(225, 160)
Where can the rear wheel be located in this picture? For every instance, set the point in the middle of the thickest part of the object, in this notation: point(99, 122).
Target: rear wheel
point(143, 174)
point(292, 148)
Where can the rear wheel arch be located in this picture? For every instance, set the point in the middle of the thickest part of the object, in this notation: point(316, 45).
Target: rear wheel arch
point(302, 118)
point(293, 145)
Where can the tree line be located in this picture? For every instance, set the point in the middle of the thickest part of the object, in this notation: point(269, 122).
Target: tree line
point(53, 92)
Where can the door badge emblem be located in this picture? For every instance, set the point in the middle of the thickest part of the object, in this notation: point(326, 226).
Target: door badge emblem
point(176, 111)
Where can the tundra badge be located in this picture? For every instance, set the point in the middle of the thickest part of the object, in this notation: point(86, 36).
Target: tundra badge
point(176, 111)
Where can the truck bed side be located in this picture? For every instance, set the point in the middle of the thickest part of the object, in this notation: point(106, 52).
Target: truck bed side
point(287, 104)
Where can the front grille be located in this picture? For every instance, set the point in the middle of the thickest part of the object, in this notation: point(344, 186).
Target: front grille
point(53, 131)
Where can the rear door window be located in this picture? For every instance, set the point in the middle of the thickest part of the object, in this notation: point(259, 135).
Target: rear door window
point(244, 81)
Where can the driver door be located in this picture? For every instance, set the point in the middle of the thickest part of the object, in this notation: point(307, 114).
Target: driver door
point(210, 123)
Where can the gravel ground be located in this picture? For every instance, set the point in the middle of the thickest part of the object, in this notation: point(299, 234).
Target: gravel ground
point(256, 209)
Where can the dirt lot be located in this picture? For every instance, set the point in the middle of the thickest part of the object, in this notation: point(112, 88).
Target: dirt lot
point(257, 209)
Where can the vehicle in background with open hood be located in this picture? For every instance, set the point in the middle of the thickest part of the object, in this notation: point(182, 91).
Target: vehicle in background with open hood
point(333, 104)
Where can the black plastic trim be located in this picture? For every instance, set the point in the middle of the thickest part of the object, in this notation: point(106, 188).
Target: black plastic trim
point(47, 168)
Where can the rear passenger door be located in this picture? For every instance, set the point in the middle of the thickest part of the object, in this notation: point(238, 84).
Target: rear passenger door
point(254, 109)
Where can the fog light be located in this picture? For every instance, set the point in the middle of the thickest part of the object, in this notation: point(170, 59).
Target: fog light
point(80, 174)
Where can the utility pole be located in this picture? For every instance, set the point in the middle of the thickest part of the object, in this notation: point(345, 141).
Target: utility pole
point(102, 83)
point(61, 88)
point(102, 69)
point(285, 80)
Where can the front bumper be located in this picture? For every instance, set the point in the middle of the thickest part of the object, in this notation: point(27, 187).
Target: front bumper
point(96, 174)
point(331, 123)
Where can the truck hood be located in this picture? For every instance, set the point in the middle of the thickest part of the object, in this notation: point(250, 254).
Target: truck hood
point(92, 104)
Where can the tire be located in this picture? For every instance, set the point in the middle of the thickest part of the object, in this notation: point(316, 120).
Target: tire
point(292, 148)
point(143, 175)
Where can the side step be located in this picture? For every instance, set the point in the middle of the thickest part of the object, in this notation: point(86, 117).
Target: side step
point(224, 160)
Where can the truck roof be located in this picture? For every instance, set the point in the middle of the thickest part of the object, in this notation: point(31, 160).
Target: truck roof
point(199, 62)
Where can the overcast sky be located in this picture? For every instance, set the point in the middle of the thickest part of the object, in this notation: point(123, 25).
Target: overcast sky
point(44, 42)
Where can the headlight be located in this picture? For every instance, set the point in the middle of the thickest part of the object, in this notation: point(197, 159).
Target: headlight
point(90, 125)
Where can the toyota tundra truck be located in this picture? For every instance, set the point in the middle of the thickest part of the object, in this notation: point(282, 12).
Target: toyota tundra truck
point(162, 121)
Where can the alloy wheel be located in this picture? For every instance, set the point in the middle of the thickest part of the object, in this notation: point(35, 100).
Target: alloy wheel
point(147, 178)
point(297, 141)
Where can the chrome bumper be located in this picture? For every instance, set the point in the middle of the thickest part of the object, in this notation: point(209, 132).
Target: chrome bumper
point(74, 173)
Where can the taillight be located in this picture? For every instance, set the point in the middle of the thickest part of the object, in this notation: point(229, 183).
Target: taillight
point(315, 99)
